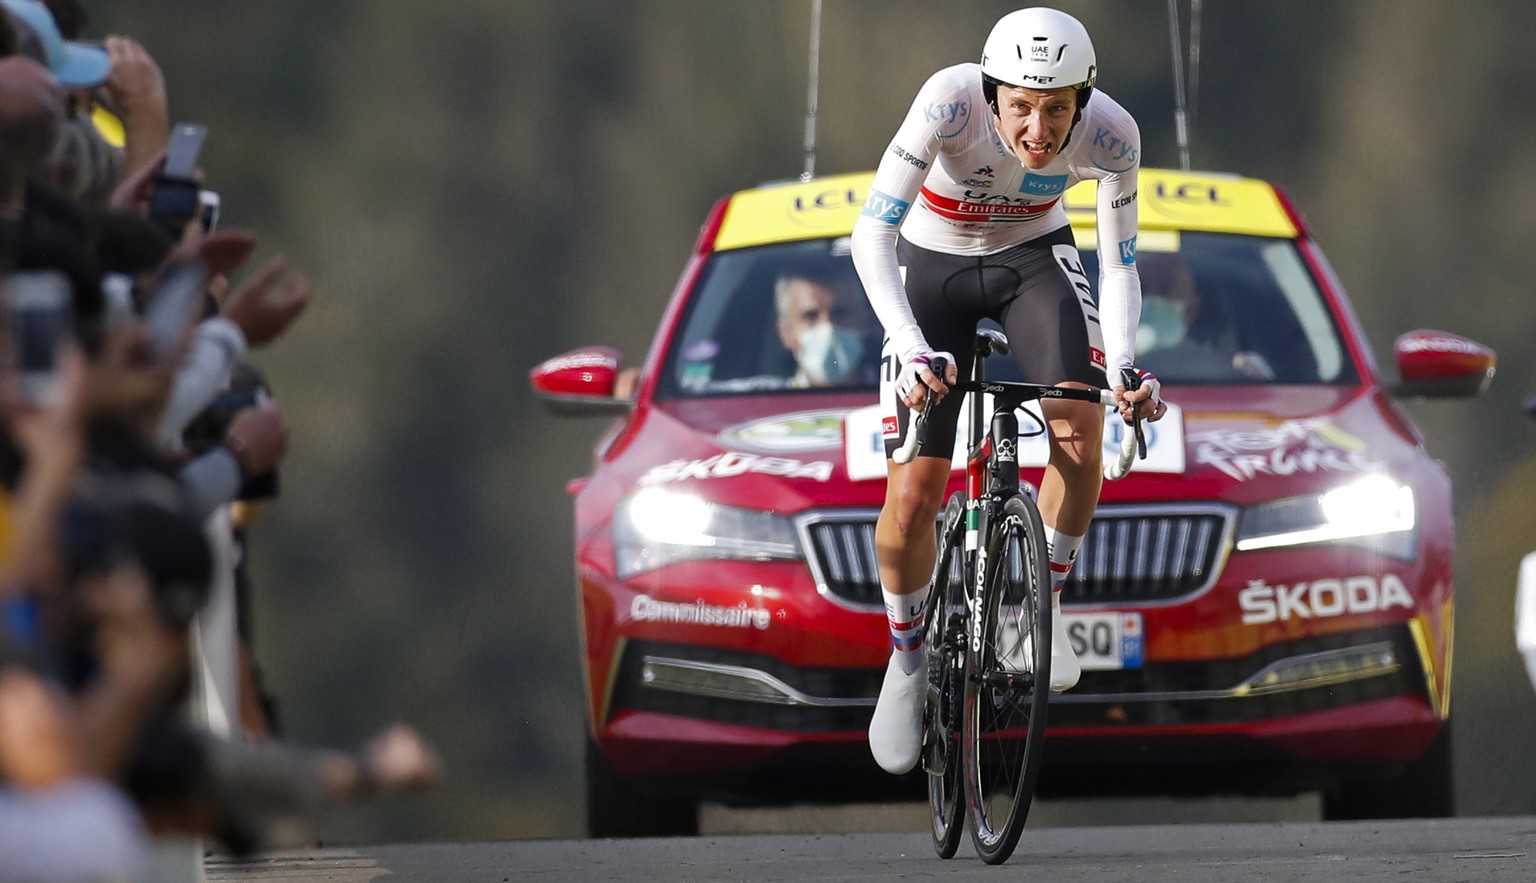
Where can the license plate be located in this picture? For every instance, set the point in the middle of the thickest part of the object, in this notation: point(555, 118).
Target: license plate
point(1106, 641)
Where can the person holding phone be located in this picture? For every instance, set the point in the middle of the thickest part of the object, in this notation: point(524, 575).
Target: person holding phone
point(114, 88)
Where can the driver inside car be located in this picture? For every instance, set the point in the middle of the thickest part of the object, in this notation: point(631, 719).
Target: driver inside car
point(811, 323)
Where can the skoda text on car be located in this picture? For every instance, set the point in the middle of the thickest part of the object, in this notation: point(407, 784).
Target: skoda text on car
point(1265, 606)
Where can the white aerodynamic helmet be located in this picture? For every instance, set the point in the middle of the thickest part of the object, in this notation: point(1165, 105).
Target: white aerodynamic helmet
point(1038, 48)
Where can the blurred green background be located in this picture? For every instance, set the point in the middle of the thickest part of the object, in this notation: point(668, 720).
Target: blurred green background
point(476, 185)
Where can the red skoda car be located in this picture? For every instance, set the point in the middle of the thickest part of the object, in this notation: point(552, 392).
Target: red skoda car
point(1265, 606)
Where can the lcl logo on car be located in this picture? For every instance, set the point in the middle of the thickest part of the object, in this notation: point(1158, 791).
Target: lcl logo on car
point(1189, 195)
point(823, 211)
point(828, 199)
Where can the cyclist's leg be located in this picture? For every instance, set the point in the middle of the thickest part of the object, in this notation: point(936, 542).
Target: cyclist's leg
point(1054, 317)
point(904, 533)
point(904, 546)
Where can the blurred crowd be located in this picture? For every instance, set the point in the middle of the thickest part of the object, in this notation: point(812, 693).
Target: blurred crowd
point(139, 443)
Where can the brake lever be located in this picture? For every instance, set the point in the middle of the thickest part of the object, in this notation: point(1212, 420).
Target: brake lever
point(1132, 381)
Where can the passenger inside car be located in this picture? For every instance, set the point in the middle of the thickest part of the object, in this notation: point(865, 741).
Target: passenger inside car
point(1188, 334)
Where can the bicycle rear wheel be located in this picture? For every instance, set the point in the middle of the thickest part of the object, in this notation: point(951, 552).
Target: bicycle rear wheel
point(1007, 681)
point(944, 638)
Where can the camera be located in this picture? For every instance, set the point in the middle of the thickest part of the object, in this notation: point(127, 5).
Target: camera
point(176, 198)
point(248, 388)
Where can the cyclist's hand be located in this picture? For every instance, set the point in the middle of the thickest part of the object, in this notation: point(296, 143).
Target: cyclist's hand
point(917, 379)
point(1147, 399)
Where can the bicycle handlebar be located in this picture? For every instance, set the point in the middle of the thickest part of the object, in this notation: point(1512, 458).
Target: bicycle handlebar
point(904, 454)
point(1132, 443)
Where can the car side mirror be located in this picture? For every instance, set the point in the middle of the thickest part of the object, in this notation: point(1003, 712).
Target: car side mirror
point(580, 382)
point(1434, 364)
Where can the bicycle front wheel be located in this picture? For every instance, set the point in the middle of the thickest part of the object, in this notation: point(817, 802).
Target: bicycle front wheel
point(944, 639)
point(1008, 675)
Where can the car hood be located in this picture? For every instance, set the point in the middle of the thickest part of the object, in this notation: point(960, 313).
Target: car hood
point(784, 453)
point(1238, 444)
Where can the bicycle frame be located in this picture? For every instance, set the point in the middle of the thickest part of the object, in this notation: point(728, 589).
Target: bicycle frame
point(959, 636)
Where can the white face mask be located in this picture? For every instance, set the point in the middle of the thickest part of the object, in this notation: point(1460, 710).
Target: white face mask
point(1162, 323)
point(828, 353)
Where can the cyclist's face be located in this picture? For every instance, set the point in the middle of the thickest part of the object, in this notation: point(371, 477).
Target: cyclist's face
point(1035, 122)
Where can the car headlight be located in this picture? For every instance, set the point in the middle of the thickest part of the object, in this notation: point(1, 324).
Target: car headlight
point(656, 527)
point(1375, 512)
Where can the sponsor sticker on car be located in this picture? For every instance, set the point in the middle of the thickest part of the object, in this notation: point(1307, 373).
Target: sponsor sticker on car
point(864, 441)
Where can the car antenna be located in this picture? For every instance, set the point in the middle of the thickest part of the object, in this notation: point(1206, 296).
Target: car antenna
point(810, 98)
point(1184, 123)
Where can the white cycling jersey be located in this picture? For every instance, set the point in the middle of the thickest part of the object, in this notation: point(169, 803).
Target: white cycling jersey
point(950, 183)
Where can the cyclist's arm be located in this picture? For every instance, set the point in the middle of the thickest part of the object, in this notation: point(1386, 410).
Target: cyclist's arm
point(1115, 156)
point(901, 173)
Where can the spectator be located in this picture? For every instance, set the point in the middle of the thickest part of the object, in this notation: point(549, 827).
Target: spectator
point(116, 550)
point(126, 79)
point(31, 114)
point(134, 115)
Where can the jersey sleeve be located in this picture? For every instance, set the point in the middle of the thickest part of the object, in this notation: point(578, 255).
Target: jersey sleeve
point(1114, 159)
point(898, 178)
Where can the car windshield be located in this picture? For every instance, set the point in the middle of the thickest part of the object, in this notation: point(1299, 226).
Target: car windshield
point(1216, 309)
point(789, 317)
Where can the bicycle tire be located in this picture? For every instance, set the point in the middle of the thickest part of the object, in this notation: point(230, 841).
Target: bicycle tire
point(943, 641)
point(1007, 683)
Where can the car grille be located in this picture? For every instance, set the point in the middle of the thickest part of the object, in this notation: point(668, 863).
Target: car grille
point(1161, 694)
point(1139, 555)
point(853, 689)
point(1132, 554)
point(1188, 693)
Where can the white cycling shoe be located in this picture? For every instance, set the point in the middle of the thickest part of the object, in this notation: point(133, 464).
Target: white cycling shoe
point(896, 730)
point(1064, 668)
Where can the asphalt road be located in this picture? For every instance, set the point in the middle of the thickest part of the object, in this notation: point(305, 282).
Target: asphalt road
point(1482, 850)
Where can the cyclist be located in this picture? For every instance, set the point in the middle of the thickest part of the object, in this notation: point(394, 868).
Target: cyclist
point(972, 182)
